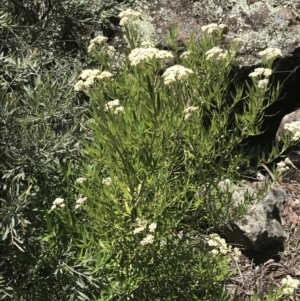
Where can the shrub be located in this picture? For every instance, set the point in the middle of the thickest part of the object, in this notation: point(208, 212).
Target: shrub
point(166, 130)
point(41, 122)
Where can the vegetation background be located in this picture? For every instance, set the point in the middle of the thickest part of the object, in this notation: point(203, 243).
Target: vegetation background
point(49, 138)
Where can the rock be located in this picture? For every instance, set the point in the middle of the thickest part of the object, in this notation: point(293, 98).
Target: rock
point(260, 228)
point(262, 24)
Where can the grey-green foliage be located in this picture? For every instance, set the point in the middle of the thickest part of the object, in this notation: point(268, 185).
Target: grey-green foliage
point(54, 24)
point(41, 122)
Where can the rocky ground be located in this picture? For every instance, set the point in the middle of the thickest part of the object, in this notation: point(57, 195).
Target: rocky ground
point(257, 271)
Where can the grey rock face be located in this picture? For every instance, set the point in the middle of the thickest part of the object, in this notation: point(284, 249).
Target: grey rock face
point(260, 24)
point(261, 227)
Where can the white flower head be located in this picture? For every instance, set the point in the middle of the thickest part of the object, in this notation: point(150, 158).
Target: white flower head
point(210, 28)
point(119, 110)
point(216, 241)
point(148, 240)
point(80, 202)
point(89, 82)
point(152, 227)
point(185, 55)
point(258, 72)
point(236, 254)
point(85, 74)
point(80, 181)
point(223, 28)
point(142, 55)
point(176, 73)
point(110, 50)
point(263, 83)
point(214, 28)
point(91, 47)
point(188, 111)
point(105, 75)
point(216, 53)
point(290, 285)
point(214, 252)
point(79, 86)
point(88, 78)
point(281, 167)
point(99, 40)
point(112, 104)
point(139, 229)
point(270, 53)
point(58, 202)
point(294, 129)
point(129, 16)
point(140, 222)
point(107, 181)
point(164, 55)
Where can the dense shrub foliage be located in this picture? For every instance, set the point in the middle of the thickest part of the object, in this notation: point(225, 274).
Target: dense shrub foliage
point(41, 125)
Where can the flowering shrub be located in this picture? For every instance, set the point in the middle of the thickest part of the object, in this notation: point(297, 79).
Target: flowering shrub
point(166, 131)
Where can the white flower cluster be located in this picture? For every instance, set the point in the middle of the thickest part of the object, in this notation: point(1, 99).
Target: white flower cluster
point(290, 285)
point(270, 53)
point(105, 75)
point(80, 202)
point(107, 181)
point(185, 55)
point(294, 129)
point(115, 105)
point(259, 72)
point(235, 253)
point(88, 78)
point(129, 17)
point(152, 227)
point(100, 40)
point(221, 247)
point(188, 111)
point(263, 83)
point(58, 202)
point(148, 240)
point(80, 181)
point(214, 28)
point(141, 225)
point(143, 55)
point(281, 167)
point(176, 73)
point(218, 242)
point(217, 53)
